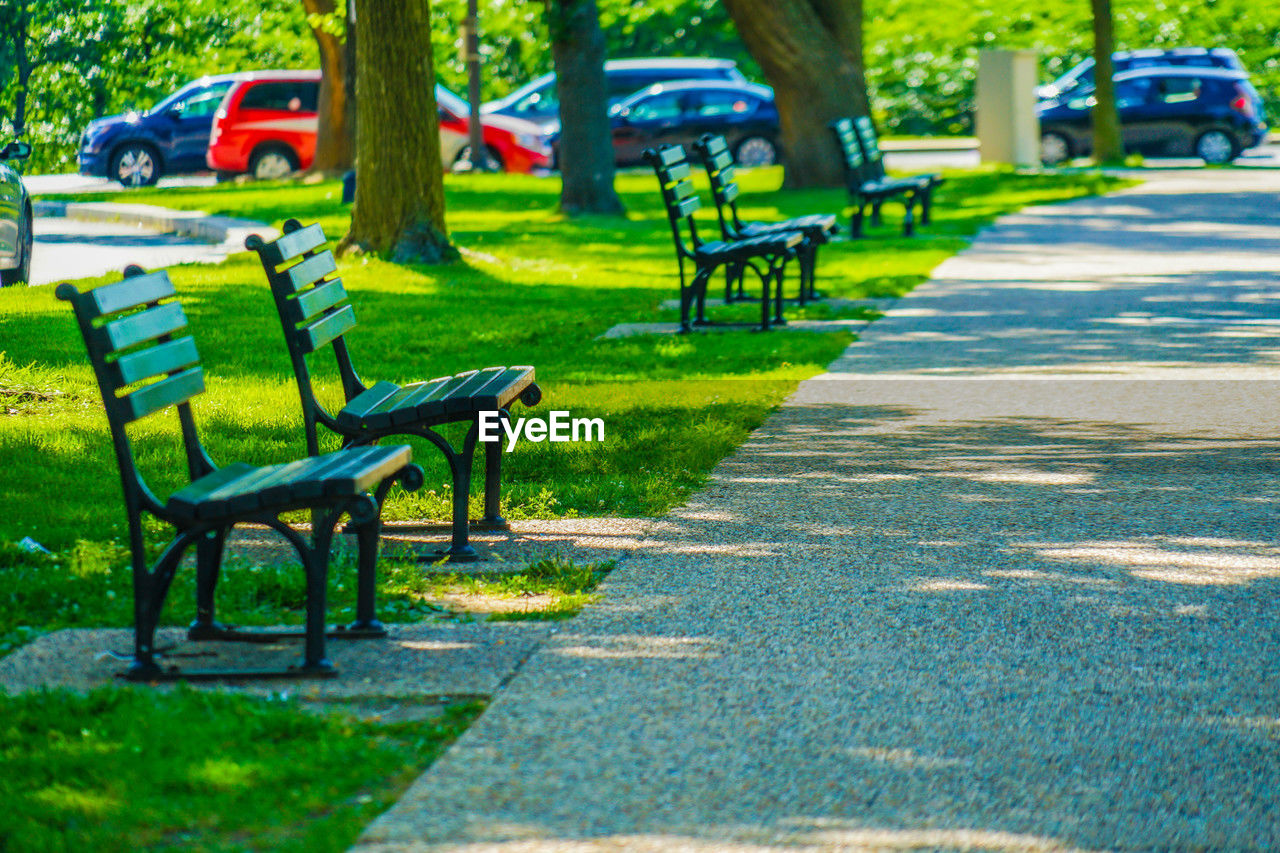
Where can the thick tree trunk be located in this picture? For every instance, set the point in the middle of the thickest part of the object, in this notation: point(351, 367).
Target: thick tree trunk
point(1108, 147)
point(586, 140)
point(811, 54)
point(399, 207)
point(335, 139)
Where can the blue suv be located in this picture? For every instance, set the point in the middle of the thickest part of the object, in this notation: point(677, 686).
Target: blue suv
point(136, 149)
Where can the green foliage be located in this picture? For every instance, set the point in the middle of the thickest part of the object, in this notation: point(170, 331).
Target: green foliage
point(143, 770)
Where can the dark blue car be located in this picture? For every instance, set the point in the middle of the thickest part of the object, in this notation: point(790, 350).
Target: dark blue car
point(681, 111)
point(1210, 113)
point(136, 149)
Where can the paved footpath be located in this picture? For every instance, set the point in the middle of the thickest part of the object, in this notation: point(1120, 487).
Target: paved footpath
point(1006, 578)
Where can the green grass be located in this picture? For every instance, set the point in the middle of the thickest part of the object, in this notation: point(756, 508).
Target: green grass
point(141, 770)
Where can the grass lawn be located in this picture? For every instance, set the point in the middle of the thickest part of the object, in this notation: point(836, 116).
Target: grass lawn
point(531, 288)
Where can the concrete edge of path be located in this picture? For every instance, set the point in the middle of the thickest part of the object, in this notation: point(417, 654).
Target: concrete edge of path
point(222, 230)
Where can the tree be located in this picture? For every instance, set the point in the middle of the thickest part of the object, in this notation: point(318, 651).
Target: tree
point(586, 140)
point(811, 53)
point(399, 207)
point(1108, 147)
point(335, 137)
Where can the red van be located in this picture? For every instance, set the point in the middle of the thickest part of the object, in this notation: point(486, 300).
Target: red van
point(267, 125)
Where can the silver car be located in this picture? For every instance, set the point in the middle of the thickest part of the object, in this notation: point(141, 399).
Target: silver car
point(15, 218)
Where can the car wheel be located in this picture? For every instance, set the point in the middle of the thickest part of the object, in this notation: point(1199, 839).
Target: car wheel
point(462, 163)
point(1216, 147)
point(21, 274)
point(272, 163)
point(756, 151)
point(1055, 149)
point(136, 164)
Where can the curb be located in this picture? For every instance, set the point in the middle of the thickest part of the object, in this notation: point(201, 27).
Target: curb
point(222, 230)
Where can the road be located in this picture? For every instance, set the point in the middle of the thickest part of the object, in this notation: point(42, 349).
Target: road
point(67, 249)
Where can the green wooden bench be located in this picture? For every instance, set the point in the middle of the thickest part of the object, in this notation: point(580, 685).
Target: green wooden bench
point(765, 254)
point(145, 363)
point(316, 314)
point(874, 158)
point(868, 186)
point(817, 228)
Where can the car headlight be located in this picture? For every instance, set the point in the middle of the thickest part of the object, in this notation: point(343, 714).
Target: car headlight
point(533, 142)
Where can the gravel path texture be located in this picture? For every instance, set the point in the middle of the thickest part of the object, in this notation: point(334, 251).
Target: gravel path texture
point(1003, 579)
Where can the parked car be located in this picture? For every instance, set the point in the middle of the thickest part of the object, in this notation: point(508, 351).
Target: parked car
point(538, 102)
point(1081, 74)
point(682, 111)
point(171, 138)
point(1211, 113)
point(267, 126)
point(15, 218)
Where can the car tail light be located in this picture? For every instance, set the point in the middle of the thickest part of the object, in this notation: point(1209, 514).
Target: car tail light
point(1243, 104)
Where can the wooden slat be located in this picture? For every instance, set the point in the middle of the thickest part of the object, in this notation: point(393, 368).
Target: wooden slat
point(422, 392)
point(495, 380)
point(672, 154)
point(144, 326)
point(433, 399)
point(188, 499)
point(292, 245)
point(460, 398)
point(177, 388)
point(716, 144)
point(680, 190)
point(310, 303)
point(370, 400)
point(153, 361)
point(730, 192)
point(132, 292)
point(676, 173)
point(311, 271)
point(688, 206)
point(722, 159)
point(323, 331)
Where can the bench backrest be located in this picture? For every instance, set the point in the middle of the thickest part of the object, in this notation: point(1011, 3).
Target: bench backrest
point(718, 161)
point(314, 309)
point(671, 165)
point(871, 154)
point(145, 362)
point(855, 164)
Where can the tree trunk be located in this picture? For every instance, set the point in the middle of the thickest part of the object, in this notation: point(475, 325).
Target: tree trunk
point(399, 207)
point(1108, 147)
point(811, 54)
point(586, 139)
point(335, 143)
point(471, 56)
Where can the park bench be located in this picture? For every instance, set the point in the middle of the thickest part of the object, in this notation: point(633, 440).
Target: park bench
point(765, 254)
point(145, 363)
point(817, 228)
point(316, 314)
point(868, 185)
point(874, 159)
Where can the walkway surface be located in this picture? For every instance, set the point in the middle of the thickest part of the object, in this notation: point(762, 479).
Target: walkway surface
point(1004, 579)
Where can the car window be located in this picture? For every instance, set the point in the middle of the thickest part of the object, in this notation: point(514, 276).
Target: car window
point(664, 106)
point(711, 104)
point(541, 102)
point(286, 95)
point(1132, 93)
point(1177, 90)
point(201, 102)
point(623, 83)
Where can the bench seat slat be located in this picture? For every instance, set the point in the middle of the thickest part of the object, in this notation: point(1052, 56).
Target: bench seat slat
point(153, 361)
point(369, 400)
point(187, 500)
point(310, 303)
point(170, 391)
point(325, 330)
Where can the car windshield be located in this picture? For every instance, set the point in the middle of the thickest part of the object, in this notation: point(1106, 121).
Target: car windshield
point(451, 102)
point(197, 90)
